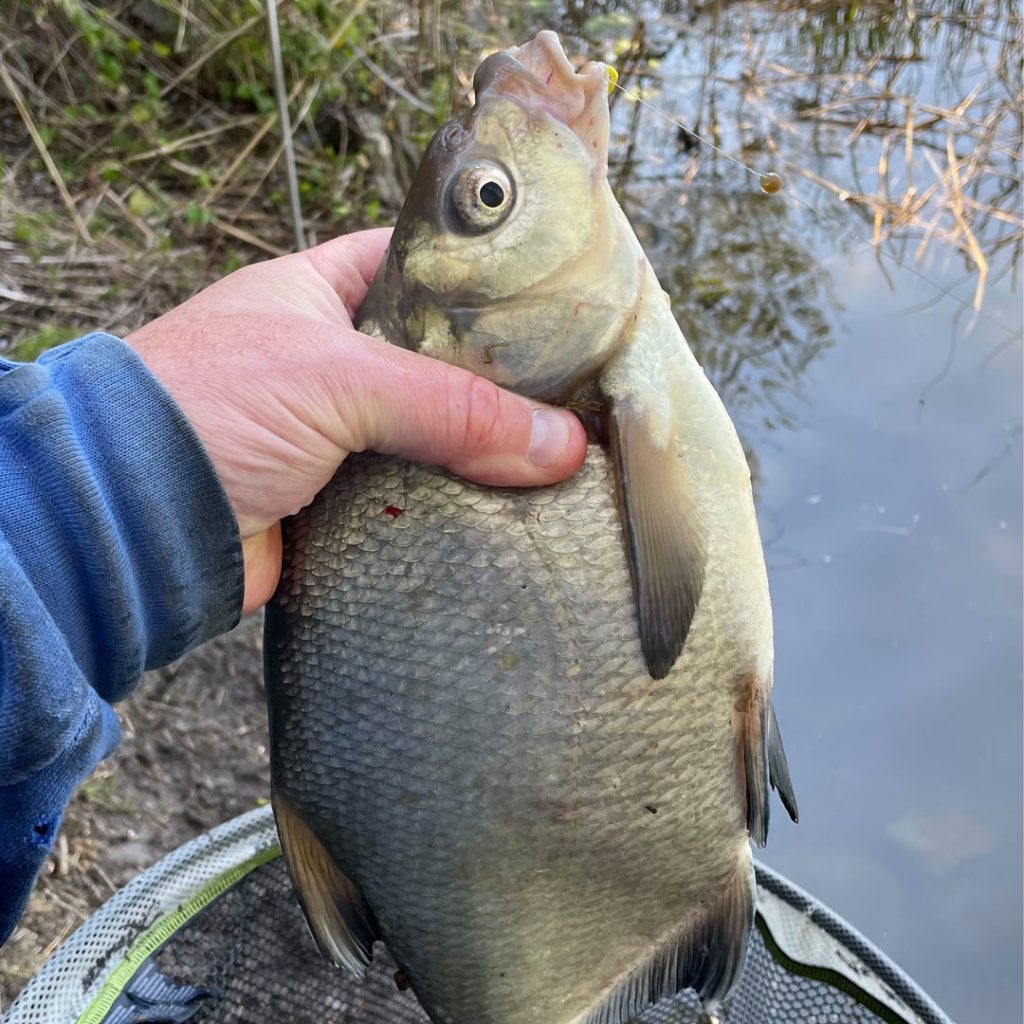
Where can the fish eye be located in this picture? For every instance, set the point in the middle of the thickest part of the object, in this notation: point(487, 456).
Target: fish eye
point(483, 195)
point(492, 194)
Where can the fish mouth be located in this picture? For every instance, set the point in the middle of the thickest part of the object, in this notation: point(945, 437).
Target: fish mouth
point(540, 76)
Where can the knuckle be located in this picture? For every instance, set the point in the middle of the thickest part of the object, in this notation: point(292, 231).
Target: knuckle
point(484, 426)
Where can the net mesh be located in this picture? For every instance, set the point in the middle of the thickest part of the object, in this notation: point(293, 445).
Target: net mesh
point(276, 951)
point(214, 934)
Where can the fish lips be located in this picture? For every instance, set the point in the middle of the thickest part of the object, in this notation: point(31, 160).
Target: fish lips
point(540, 77)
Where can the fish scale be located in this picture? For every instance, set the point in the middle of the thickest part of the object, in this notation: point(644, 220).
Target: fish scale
point(475, 698)
point(523, 736)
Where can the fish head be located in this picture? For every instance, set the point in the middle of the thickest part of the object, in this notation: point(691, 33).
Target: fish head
point(504, 257)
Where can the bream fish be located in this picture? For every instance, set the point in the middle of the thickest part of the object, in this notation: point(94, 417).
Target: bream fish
point(523, 735)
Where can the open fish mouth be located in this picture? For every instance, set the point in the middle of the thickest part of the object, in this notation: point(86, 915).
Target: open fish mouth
point(541, 77)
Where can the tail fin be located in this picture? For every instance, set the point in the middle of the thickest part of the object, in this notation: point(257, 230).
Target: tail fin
point(706, 955)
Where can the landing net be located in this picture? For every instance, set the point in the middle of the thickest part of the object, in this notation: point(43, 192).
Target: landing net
point(212, 933)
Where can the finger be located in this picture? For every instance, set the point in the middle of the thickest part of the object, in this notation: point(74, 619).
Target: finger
point(398, 402)
point(349, 262)
point(261, 554)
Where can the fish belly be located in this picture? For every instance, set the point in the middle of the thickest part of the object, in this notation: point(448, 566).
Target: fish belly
point(461, 713)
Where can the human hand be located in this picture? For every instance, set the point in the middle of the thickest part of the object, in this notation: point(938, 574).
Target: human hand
point(280, 388)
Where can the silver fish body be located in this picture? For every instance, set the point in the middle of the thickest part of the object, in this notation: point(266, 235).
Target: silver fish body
point(462, 714)
point(485, 748)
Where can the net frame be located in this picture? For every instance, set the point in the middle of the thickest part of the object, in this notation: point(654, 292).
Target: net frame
point(84, 979)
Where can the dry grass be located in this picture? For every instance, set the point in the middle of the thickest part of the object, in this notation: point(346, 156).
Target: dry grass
point(908, 116)
point(140, 152)
point(944, 174)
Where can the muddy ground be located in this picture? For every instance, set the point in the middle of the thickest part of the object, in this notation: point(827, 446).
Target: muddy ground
point(193, 754)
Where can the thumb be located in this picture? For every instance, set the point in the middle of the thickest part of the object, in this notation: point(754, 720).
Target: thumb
point(419, 408)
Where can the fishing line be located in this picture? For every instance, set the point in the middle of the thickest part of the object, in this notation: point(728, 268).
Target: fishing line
point(771, 184)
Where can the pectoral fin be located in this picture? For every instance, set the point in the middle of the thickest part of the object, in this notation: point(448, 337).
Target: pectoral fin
point(664, 535)
point(342, 923)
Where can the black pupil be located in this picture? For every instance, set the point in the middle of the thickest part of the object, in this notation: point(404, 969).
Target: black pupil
point(492, 194)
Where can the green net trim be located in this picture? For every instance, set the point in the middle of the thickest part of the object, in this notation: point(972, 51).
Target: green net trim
point(160, 931)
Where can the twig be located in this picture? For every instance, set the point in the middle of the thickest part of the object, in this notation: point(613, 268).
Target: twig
point(139, 224)
point(179, 39)
point(207, 54)
point(908, 144)
point(391, 83)
point(255, 187)
point(14, 294)
point(52, 894)
point(62, 856)
point(246, 236)
point(104, 877)
point(958, 212)
point(59, 937)
point(188, 141)
point(339, 34)
point(58, 180)
point(248, 148)
point(285, 120)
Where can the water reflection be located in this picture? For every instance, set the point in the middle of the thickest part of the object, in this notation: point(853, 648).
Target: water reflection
point(893, 127)
point(750, 293)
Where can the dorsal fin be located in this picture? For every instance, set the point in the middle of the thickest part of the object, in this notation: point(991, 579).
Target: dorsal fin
point(762, 759)
point(778, 766)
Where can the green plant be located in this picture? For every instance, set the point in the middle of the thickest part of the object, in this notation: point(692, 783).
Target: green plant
point(44, 338)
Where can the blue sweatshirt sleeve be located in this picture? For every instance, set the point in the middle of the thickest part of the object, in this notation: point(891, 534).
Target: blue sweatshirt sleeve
point(119, 552)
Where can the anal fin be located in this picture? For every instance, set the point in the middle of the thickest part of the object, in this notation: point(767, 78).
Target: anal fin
point(341, 921)
point(705, 955)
